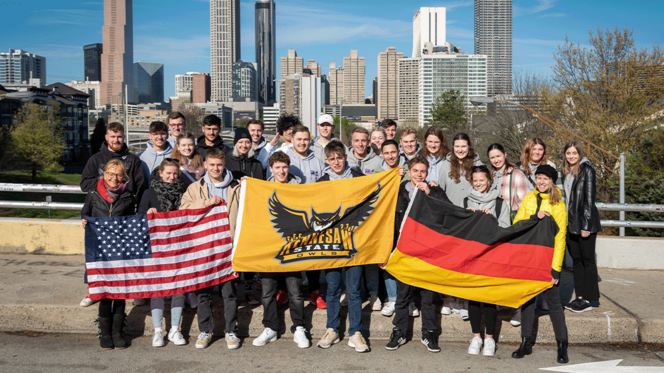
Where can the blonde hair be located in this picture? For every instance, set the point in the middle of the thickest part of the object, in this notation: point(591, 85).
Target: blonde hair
point(116, 163)
point(553, 192)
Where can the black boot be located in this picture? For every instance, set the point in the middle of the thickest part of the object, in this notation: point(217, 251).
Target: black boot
point(526, 348)
point(105, 338)
point(562, 352)
point(118, 327)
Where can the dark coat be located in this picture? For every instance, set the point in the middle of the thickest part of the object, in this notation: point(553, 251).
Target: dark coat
point(241, 165)
point(96, 206)
point(203, 148)
point(353, 172)
point(582, 213)
point(94, 169)
point(148, 201)
point(403, 200)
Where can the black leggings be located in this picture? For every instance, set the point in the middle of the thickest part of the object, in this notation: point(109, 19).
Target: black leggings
point(490, 316)
point(110, 307)
point(582, 251)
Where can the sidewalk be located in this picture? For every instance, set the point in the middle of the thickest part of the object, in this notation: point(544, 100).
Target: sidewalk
point(41, 293)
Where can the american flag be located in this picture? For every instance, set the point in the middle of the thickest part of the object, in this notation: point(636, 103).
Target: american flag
point(157, 255)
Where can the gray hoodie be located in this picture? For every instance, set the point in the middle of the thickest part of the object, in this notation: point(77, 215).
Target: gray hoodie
point(366, 165)
point(308, 169)
point(151, 159)
point(291, 179)
point(435, 163)
point(456, 192)
point(220, 189)
point(488, 201)
point(417, 152)
point(318, 149)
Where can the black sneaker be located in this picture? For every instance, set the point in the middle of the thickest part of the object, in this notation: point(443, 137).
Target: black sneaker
point(429, 340)
point(573, 304)
point(396, 340)
point(582, 306)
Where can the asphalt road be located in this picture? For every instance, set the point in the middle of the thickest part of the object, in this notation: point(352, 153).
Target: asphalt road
point(32, 352)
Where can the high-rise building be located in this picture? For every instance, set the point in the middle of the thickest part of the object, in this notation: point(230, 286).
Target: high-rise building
point(314, 67)
point(325, 90)
point(20, 67)
point(184, 82)
point(407, 91)
point(353, 85)
point(266, 55)
point(92, 61)
point(244, 81)
point(493, 38)
point(386, 99)
point(291, 64)
point(301, 96)
point(149, 82)
point(200, 88)
point(117, 57)
point(428, 27)
point(336, 79)
point(224, 46)
point(89, 87)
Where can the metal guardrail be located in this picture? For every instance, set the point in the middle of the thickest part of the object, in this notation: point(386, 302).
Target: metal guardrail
point(629, 207)
point(41, 205)
point(633, 224)
point(41, 188)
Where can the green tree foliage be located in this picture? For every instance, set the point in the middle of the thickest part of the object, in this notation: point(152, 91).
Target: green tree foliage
point(448, 112)
point(348, 127)
point(98, 135)
point(37, 138)
point(241, 122)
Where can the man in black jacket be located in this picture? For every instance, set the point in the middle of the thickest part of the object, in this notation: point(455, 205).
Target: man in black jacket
point(211, 138)
point(114, 148)
point(417, 170)
point(242, 161)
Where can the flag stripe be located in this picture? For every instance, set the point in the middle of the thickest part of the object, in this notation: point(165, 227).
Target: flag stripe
point(170, 226)
point(128, 280)
point(220, 238)
point(152, 269)
point(194, 229)
point(508, 260)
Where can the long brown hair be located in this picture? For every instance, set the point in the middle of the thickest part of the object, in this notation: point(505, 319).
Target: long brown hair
point(553, 192)
point(509, 166)
point(567, 168)
point(527, 149)
point(467, 163)
point(196, 160)
point(435, 131)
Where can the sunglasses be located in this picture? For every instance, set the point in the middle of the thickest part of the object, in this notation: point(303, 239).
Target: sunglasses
point(479, 168)
point(173, 160)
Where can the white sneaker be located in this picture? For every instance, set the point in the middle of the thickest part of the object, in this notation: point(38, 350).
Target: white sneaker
point(176, 337)
point(139, 302)
point(87, 302)
point(489, 347)
point(343, 301)
point(412, 310)
point(203, 340)
point(464, 314)
point(515, 323)
point(375, 303)
point(445, 310)
point(268, 335)
point(300, 337)
point(388, 309)
point(192, 299)
point(158, 339)
point(232, 341)
point(475, 346)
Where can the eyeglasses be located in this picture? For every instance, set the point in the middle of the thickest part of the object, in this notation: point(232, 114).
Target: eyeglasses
point(335, 160)
point(114, 176)
point(478, 168)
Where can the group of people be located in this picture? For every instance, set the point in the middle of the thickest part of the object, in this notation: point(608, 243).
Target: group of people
point(178, 171)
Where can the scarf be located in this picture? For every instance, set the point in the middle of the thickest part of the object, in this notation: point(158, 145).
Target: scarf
point(109, 194)
point(485, 200)
point(168, 194)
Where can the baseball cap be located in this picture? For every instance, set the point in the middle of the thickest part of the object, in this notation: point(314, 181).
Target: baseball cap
point(325, 118)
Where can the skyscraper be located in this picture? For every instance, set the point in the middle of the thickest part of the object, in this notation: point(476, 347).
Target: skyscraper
point(336, 80)
point(408, 91)
point(117, 57)
point(386, 95)
point(244, 80)
point(224, 46)
point(493, 38)
point(149, 82)
point(19, 66)
point(428, 26)
point(92, 61)
point(266, 55)
point(291, 64)
point(353, 83)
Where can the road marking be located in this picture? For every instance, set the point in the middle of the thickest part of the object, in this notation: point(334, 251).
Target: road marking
point(610, 366)
point(608, 315)
point(620, 281)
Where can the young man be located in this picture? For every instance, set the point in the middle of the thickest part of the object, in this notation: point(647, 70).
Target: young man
point(409, 145)
point(360, 155)
point(177, 126)
point(390, 128)
point(157, 150)
point(242, 160)
point(285, 125)
point(389, 151)
point(211, 138)
point(325, 130)
point(335, 157)
point(417, 169)
point(279, 164)
point(304, 163)
point(217, 185)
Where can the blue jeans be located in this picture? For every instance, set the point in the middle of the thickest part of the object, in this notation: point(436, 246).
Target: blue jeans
point(353, 281)
point(157, 305)
point(390, 286)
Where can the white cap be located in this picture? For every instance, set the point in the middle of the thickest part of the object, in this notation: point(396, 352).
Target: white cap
point(325, 118)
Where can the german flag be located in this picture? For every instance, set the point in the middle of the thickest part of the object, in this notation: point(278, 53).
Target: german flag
point(454, 251)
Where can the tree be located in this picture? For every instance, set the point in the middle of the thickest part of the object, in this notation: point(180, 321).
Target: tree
point(241, 122)
point(348, 127)
point(98, 135)
point(448, 112)
point(193, 116)
point(37, 138)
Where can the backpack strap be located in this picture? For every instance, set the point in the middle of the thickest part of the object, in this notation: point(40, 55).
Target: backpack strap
point(539, 203)
point(185, 173)
point(465, 203)
point(499, 206)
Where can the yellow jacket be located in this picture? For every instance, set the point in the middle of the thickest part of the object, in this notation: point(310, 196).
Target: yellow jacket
point(559, 214)
point(197, 193)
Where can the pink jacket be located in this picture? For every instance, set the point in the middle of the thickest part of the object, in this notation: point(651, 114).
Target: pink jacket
point(520, 187)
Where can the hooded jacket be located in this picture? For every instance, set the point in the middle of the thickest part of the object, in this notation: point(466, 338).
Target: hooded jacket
point(348, 173)
point(203, 148)
point(260, 146)
point(456, 192)
point(582, 214)
point(290, 179)
point(418, 151)
point(244, 165)
point(151, 158)
point(94, 169)
point(197, 193)
point(559, 214)
point(435, 163)
point(366, 165)
point(318, 149)
point(309, 169)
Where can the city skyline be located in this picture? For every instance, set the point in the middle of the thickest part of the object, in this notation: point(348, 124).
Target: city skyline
point(177, 33)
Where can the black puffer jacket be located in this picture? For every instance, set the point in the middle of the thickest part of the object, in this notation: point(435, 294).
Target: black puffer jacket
point(242, 165)
point(582, 213)
point(97, 207)
point(403, 200)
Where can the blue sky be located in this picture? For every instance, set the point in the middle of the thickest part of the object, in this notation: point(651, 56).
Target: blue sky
point(176, 32)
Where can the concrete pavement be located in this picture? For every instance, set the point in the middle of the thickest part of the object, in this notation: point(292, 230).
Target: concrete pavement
point(41, 294)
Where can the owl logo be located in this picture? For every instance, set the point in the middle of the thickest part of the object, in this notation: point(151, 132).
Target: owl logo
point(319, 235)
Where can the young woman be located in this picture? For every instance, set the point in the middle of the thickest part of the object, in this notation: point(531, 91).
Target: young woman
point(191, 164)
point(582, 225)
point(110, 198)
point(164, 195)
point(546, 200)
point(533, 155)
point(435, 151)
point(377, 137)
point(484, 199)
